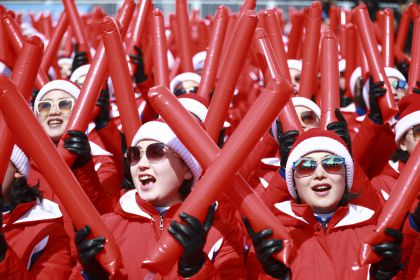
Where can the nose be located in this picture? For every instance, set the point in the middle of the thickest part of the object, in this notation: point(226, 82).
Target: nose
point(319, 172)
point(54, 109)
point(144, 163)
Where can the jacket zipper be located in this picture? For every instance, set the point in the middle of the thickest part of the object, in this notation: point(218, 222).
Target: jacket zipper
point(161, 222)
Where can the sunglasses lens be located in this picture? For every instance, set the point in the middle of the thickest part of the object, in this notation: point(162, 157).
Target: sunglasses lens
point(133, 155)
point(309, 118)
point(305, 167)
point(400, 84)
point(333, 164)
point(416, 132)
point(65, 105)
point(155, 152)
point(44, 108)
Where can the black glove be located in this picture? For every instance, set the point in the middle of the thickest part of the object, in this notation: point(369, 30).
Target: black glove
point(87, 249)
point(78, 144)
point(3, 243)
point(139, 76)
point(391, 253)
point(416, 89)
point(265, 248)
point(340, 127)
point(286, 141)
point(192, 237)
point(103, 118)
point(80, 58)
point(403, 67)
point(376, 90)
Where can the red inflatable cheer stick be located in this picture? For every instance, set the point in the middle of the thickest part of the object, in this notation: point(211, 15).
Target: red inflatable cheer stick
point(39, 147)
point(265, 56)
point(403, 30)
point(310, 51)
point(160, 58)
point(224, 166)
point(404, 194)
point(120, 76)
point(272, 28)
point(208, 74)
point(295, 34)
point(23, 76)
point(414, 73)
point(376, 67)
point(77, 26)
point(184, 29)
point(388, 38)
point(330, 90)
point(139, 26)
point(54, 44)
point(86, 102)
point(17, 39)
point(351, 55)
point(414, 11)
point(232, 66)
point(6, 56)
point(334, 16)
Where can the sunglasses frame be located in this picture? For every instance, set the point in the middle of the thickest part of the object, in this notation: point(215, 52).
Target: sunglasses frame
point(142, 153)
point(316, 118)
point(412, 129)
point(296, 164)
point(397, 84)
point(181, 91)
point(56, 103)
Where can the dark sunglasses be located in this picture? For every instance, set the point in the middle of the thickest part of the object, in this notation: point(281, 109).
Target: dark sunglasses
point(416, 132)
point(309, 118)
point(155, 153)
point(305, 167)
point(64, 105)
point(181, 91)
point(399, 84)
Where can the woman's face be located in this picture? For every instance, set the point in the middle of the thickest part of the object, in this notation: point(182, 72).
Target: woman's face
point(55, 121)
point(295, 76)
point(397, 90)
point(322, 191)
point(410, 139)
point(308, 119)
point(159, 182)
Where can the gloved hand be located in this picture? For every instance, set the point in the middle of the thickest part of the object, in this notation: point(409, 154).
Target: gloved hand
point(286, 141)
point(139, 76)
point(416, 89)
point(3, 243)
point(192, 237)
point(87, 249)
point(265, 248)
point(391, 253)
point(103, 118)
point(340, 127)
point(78, 144)
point(376, 90)
point(80, 58)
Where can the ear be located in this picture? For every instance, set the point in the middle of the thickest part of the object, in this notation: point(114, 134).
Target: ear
point(18, 175)
point(403, 146)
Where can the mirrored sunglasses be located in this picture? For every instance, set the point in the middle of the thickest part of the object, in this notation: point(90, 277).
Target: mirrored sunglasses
point(306, 167)
point(181, 91)
point(155, 153)
point(64, 105)
point(399, 84)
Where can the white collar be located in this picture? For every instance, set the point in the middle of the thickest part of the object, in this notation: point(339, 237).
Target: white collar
point(129, 205)
point(45, 210)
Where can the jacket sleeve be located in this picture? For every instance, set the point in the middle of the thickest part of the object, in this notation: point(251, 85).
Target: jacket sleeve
point(55, 261)
point(89, 180)
point(12, 268)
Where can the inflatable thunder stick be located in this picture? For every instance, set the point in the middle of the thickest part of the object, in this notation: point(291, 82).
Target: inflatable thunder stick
point(54, 43)
point(23, 76)
point(121, 78)
point(34, 140)
point(232, 67)
point(185, 49)
point(402, 30)
point(414, 72)
point(77, 26)
point(388, 38)
point(208, 74)
point(310, 51)
point(139, 26)
point(17, 40)
point(351, 55)
point(376, 67)
point(213, 183)
point(265, 56)
point(160, 58)
point(330, 89)
point(295, 34)
point(405, 193)
point(89, 93)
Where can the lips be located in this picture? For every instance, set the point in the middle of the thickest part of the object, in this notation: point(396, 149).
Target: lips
point(147, 181)
point(53, 123)
point(321, 189)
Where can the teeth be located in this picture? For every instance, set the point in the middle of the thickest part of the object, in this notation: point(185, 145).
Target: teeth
point(55, 122)
point(145, 177)
point(321, 188)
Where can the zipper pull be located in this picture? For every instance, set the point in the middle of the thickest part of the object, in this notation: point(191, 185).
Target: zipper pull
point(161, 223)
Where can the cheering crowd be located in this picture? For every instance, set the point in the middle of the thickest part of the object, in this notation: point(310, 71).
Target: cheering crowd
point(241, 145)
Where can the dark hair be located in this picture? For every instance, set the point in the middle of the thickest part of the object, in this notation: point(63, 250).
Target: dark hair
point(21, 192)
point(400, 155)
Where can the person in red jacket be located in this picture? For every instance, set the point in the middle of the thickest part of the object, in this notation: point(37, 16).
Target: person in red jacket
point(163, 172)
point(33, 242)
point(326, 228)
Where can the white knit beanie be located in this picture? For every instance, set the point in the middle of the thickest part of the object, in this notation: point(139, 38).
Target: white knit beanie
point(186, 76)
point(20, 161)
point(79, 71)
point(63, 85)
point(161, 132)
point(318, 140)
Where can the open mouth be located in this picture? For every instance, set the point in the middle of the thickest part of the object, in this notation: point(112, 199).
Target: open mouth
point(321, 188)
point(54, 122)
point(147, 179)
